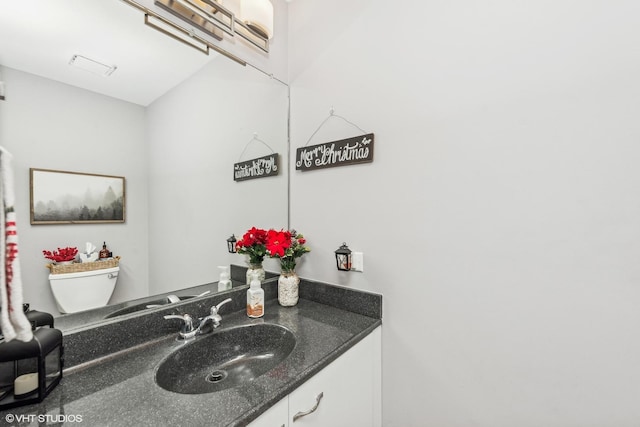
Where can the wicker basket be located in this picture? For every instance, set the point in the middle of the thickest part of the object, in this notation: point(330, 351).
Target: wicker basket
point(78, 267)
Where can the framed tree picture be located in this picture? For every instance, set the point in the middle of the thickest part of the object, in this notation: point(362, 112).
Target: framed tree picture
point(61, 197)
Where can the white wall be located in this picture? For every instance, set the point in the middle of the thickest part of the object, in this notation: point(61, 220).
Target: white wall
point(500, 217)
point(50, 125)
point(196, 132)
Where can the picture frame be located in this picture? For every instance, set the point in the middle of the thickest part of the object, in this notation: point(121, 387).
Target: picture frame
point(63, 197)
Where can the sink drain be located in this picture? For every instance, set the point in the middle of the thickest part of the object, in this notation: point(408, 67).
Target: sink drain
point(216, 376)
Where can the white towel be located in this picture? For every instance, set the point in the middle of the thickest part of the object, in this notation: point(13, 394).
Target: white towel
point(13, 322)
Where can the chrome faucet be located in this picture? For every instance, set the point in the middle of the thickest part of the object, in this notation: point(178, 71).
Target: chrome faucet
point(173, 299)
point(188, 329)
point(214, 318)
point(191, 328)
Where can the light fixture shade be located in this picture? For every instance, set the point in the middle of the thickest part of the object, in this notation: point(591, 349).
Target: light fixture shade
point(232, 5)
point(258, 15)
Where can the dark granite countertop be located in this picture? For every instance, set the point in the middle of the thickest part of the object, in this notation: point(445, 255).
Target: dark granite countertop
point(93, 317)
point(119, 389)
point(82, 319)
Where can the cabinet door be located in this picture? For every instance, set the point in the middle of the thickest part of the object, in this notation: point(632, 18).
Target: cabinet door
point(344, 393)
point(276, 416)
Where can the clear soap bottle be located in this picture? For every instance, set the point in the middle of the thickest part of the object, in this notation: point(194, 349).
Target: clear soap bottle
point(255, 299)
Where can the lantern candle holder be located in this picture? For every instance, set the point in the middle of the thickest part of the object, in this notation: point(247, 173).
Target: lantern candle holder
point(30, 370)
point(231, 244)
point(343, 258)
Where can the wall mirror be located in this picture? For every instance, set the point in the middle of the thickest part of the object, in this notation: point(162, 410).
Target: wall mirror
point(173, 128)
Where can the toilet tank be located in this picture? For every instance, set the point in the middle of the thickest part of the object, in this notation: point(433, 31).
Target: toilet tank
point(84, 290)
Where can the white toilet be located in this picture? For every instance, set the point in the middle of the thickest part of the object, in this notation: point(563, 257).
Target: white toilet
point(84, 290)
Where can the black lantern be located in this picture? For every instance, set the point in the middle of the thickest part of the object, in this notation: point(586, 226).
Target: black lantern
point(231, 244)
point(343, 258)
point(30, 370)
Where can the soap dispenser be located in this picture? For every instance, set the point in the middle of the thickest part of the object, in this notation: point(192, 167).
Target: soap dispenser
point(255, 299)
point(224, 283)
point(104, 253)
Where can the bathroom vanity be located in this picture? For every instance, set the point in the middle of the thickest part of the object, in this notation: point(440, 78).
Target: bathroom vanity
point(346, 392)
point(127, 371)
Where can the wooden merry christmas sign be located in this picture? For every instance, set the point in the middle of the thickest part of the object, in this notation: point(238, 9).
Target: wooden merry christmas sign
point(256, 168)
point(345, 152)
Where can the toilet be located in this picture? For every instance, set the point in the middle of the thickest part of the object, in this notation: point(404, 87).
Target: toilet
point(84, 290)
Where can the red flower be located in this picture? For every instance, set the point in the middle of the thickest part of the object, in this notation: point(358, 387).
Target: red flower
point(252, 244)
point(254, 236)
point(62, 254)
point(278, 242)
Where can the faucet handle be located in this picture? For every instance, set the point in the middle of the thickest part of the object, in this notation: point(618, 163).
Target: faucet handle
point(184, 317)
point(173, 299)
point(188, 330)
point(216, 308)
point(202, 294)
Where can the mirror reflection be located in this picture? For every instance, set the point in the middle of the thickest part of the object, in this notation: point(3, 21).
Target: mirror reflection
point(175, 145)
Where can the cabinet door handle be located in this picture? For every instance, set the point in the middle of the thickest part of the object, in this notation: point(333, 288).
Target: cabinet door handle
point(310, 411)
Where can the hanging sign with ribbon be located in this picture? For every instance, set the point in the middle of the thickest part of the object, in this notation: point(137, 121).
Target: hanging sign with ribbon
point(256, 168)
point(345, 152)
point(260, 167)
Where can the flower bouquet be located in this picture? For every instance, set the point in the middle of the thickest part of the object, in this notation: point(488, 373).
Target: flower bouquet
point(60, 255)
point(287, 245)
point(253, 244)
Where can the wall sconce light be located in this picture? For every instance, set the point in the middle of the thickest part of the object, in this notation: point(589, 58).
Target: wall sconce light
point(168, 28)
point(231, 244)
point(258, 15)
point(343, 258)
point(254, 22)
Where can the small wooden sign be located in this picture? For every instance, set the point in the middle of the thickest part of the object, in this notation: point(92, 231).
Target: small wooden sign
point(256, 168)
point(345, 152)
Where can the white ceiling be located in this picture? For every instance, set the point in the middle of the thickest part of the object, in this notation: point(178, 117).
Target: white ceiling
point(41, 36)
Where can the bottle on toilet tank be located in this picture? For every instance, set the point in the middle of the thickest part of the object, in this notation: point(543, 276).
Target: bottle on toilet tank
point(104, 253)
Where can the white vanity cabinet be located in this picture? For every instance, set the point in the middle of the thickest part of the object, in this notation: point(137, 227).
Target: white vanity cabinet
point(350, 390)
point(276, 416)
